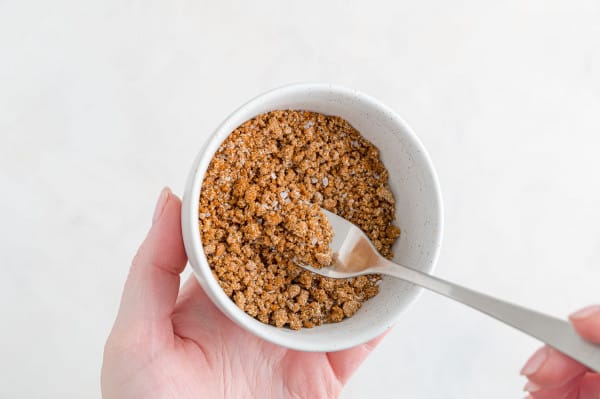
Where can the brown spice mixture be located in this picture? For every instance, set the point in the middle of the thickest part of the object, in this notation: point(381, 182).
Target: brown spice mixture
point(259, 212)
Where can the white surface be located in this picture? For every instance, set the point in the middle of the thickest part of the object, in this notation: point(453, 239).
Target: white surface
point(418, 212)
point(102, 103)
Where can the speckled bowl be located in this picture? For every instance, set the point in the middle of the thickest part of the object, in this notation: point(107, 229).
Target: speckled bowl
point(418, 212)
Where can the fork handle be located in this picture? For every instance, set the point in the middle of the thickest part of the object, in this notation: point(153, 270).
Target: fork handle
point(555, 332)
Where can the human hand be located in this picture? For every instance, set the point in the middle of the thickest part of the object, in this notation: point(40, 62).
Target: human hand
point(552, 375)
point(168, 343)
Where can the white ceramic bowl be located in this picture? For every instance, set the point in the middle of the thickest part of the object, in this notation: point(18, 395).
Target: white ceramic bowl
point(418, 212)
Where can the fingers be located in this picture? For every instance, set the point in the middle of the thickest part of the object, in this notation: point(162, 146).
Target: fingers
point(566, 391)
point(589, 387)
point(548, 368)
point(153, 282)
point(344, 363)
point(586, 386)
point(554, 375)
point(587, 323)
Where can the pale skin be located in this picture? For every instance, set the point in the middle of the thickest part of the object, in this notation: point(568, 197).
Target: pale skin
point(552, 375)
point(169, 342)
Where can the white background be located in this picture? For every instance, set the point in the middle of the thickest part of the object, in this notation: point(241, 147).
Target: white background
point(104, 103)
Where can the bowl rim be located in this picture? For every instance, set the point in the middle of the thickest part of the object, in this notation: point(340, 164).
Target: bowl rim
point(193, 242)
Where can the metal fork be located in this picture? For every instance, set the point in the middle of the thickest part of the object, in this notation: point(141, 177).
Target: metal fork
point(355, 255)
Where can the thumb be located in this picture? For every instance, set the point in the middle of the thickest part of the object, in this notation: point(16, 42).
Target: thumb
point(587, 323)
point(153, 282)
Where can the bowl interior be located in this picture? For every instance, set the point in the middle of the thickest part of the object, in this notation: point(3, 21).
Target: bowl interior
point(418, 212)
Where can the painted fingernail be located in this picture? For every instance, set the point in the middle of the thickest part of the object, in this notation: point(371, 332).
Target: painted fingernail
point(535, 362)
point(585, 312)
point(531, 387)
point(160, 204)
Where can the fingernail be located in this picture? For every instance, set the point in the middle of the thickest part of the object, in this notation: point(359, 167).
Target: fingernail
point(531, 387)
point(528, 397)
point(535, 362)
point(160, 204)
point(585, 312)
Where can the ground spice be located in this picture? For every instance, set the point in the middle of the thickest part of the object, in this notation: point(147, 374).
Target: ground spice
point(259, 212)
